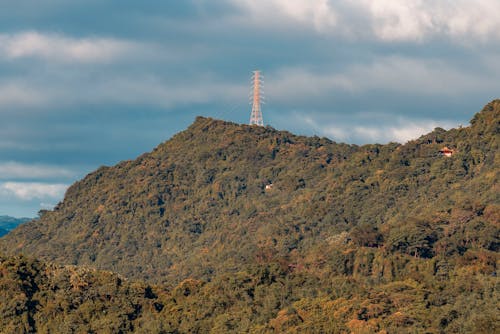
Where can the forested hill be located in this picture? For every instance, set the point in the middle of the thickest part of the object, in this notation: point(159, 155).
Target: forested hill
point(250, 229)
point(197, 205)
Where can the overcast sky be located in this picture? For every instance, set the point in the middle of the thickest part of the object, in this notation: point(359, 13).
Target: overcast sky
point(85, 83)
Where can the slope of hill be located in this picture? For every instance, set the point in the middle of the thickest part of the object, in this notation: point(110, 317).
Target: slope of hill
point(249, 229)
point(197, 205)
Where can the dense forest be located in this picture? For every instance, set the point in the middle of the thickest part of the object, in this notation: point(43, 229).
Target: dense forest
point(235, 228)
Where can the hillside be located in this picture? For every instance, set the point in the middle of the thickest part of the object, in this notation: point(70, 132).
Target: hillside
point(44, 298)
point(246, 228)
point(197, 205)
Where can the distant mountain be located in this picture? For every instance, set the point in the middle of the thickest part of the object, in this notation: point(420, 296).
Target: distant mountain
point(251, 229)
point(8, 223)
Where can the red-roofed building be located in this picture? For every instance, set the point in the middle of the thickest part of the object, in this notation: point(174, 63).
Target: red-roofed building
point(447, 152)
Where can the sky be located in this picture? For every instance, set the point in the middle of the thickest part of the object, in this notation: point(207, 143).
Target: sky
point(85, 83)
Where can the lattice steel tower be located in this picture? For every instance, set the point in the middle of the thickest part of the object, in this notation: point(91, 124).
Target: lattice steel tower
point(256, 116)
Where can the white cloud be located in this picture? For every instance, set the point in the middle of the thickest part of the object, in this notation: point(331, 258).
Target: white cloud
point(316, 13)
point(400, 20)
point(398, 130)
point(402, 132)
point(387, 20)
point(417, 19)
point(33, 190)
point(16, 170)
point(55, 47)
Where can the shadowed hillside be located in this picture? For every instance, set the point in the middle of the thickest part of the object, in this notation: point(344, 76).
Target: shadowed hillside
point(43, 298)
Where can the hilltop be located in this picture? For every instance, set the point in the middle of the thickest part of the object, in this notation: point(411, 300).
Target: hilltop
point(264, 229)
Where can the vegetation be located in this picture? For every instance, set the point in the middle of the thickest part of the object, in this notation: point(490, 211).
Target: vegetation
point(422, 296)
point(363, 239)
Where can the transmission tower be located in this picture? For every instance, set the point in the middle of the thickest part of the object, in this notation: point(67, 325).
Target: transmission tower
point(256, 116)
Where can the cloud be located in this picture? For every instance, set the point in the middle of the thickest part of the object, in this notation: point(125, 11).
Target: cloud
point(415, 76)
point(394, 74)
point(19, 94)
point(398, 20)
point(56, 47)
point(59, 89)
point(33, 190)
point(399, 130)
point(316, 13)
point(417, 19)
point(16, 170)
point(386, 20)
point(152, 90)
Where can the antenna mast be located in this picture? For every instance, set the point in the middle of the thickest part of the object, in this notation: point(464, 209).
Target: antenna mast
point(256, 116)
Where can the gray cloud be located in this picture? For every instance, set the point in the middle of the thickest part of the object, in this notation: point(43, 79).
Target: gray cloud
point(18, 94)
point(395, 75)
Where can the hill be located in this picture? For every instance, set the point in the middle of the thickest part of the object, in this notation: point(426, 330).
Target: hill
point(197, 205)
point(264, 230)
